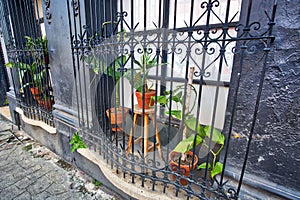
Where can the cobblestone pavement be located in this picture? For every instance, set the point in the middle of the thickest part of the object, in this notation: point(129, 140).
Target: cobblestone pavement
point(30, 171)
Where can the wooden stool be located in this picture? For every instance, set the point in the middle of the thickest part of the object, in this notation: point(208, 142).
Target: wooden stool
point(145, 135)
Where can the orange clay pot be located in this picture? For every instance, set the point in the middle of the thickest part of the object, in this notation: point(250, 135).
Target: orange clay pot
point(46, 104)
point(148, 102)
point(35, 93)
point(184, 169)
point(116, 117)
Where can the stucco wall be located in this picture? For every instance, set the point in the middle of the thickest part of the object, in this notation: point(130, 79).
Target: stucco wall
point(275, 150)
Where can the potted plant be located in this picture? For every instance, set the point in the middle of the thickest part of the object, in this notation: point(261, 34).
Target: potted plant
point(181, 158)
point(143, 92)
point(35, 71)
point(214, 167)
point(41, 43)
point(116, 113)
point(112, 70)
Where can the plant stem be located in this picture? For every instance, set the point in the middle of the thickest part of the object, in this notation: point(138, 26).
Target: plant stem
point(117, 94)
point(187, 105)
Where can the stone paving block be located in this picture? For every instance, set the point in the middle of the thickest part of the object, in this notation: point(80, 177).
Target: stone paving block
point(39, 173)
point(4, 136)
point(39, 186)
point(23, 196)
point(56, 189)
point(4, 126)
point(3, 153)
point(7, 180)
point(64, 196)
point(41, 196)
point(27, 163)
point(23, 175)
point(9, 168)
point(24, 183)
point(20, 173)
point(57, 176)
point(4, 162)
point(10, 192)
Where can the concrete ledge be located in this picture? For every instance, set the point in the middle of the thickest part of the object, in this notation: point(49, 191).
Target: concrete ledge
point(5, 112)
point(32, 122)
point(130, 189)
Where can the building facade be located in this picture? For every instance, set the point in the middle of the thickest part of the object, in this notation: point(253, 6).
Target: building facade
point(226, 80)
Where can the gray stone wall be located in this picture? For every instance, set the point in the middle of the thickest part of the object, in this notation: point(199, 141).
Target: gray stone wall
point(3, 80)
point(275, 150)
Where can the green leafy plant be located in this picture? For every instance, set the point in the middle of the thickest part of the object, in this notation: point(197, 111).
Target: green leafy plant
point(97, 183)
point(177, 96)
point(76, 142)
point(38, 43)
point(102, 67)
point(140, 74)
point(6, 102)
point(202, 133)
point(111, 70)
point(217, 138)
point(34, 69)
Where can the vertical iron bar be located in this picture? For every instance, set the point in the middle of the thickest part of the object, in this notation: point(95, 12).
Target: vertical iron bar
point(171, 84)
point(132, 85)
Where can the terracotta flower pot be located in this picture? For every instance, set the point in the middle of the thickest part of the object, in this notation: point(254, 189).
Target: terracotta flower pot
point(46, 104)
point(148, 102)
point(116, 117)
point(184, 169)
point(35, 93)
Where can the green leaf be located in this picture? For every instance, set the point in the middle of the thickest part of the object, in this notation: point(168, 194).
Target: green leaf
point(217, 136)
point(166, 92)
point(191, 124)
point(218, 168)
point(203, 166)
point(175, 113)
point(76, 142)
point(137, 62)
point(177, 97)
point(187, 144)
point(10, 64)
point(162, 100)
point(113, 68)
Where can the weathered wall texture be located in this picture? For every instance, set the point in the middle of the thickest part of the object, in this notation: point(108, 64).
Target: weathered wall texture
point(3, 79)
point(275, 149)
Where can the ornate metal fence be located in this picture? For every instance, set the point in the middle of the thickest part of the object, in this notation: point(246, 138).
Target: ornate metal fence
point(183, 52)
point(28, 57)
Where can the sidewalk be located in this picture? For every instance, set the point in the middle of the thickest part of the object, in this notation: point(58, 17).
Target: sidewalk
point(30, 171)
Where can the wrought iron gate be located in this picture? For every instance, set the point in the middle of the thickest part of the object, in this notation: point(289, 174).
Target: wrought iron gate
point(28, 57)
point(185, 50)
